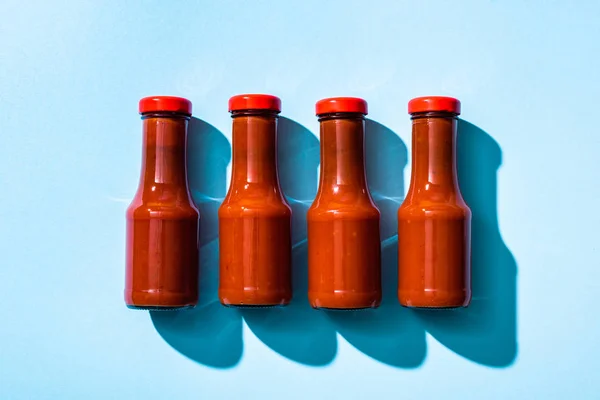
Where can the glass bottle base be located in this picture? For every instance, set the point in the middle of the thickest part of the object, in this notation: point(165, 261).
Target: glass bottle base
point(159, 308)
point(253, 306)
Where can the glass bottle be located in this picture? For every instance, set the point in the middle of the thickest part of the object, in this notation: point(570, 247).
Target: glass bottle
point(344, 252)
point(162, 221)
point(255, 219)
point(434, 222)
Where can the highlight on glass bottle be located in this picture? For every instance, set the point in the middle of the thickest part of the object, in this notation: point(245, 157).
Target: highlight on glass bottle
point(162, 221)
point(434, 222)
point(344, 253)
point(255, 219)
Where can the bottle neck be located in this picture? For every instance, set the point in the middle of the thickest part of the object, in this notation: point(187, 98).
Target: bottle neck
point(163, 157)
point(342, 153)
point(434, 173)
point(254, 149)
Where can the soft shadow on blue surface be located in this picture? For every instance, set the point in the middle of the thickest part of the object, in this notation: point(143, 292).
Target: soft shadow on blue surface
point(297, 331)
point(486, 331)
point(210, 333)
point(390, 334)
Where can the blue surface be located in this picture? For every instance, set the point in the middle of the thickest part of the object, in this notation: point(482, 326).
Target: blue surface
point(71, 74)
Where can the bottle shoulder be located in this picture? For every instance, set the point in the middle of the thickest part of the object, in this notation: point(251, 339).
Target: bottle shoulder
point(343, 196)
point(255, 196)
point(328, 199)
point(424, 208)
point(250, 206)
point(331, 209)
point(149, 209)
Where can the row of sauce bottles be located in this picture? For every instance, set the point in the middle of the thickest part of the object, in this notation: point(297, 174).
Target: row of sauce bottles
point(344, 250)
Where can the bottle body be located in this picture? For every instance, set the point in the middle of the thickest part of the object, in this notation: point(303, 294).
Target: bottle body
point(344, 253)
point(434, 222)
point(255, 219)
point(162, 222)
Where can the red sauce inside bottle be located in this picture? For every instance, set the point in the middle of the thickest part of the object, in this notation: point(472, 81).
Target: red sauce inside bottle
point(162, 221)
point(434, 222)
point(344, 253)
point(255, 219)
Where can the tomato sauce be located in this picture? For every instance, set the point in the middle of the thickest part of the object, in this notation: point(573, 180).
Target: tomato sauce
point(162, 221)
point(434, 222)
point(344, 252)
point(255, 219)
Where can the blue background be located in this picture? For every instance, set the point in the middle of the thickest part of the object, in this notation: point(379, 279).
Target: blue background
point(528, 75)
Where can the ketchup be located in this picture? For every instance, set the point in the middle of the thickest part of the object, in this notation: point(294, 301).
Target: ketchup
point(434, 222)
point(162, 221)
point(344, 253)
point(255, 219)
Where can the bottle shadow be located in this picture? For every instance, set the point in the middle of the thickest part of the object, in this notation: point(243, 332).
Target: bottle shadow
point(390, 334)
point(209, 334)
point(484, 332)
point(296, 331)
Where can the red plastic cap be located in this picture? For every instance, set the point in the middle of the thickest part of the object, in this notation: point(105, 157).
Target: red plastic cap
point(165, 104)
point(341, 105)
point(434, 103)
point(254, 102)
